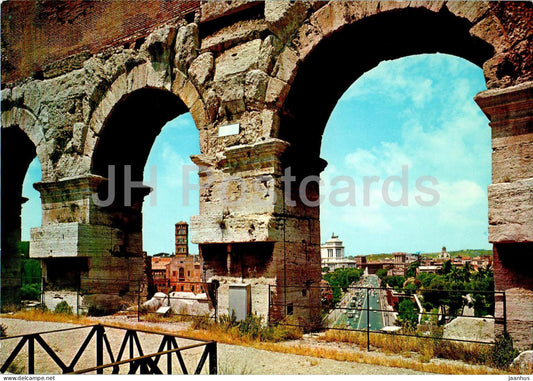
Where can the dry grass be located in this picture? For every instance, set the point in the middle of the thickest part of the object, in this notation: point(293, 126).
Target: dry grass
point(400, 345)
point(427, 349)
point(40, 315)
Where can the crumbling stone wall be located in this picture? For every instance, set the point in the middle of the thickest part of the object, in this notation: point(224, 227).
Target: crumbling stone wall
point(276, 69)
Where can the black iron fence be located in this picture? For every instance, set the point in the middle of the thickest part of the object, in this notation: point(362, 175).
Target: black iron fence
point(420, 313)
point(109, 353)
point(100, 296)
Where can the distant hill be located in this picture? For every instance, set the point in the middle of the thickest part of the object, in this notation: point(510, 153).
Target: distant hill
point(457, 253)
point(463, 253)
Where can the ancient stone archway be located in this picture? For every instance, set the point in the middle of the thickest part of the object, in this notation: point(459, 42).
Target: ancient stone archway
point(18, 150)
point(244, 70)
point(324, 44)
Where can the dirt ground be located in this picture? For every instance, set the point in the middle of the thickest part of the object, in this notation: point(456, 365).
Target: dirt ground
point(237, 360)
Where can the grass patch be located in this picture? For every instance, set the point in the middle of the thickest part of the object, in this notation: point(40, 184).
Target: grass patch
point(271, 338)
point(426, 348)
point(46, 315)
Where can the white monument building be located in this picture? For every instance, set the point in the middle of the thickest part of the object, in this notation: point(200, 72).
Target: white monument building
point(332, 253)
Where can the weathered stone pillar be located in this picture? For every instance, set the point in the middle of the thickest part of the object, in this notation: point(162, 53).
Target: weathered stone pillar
point(87, 247)
point(246, 233)
point(11, 260)
point(510, 195)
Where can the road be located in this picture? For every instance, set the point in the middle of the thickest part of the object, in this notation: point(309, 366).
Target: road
point(357, 315)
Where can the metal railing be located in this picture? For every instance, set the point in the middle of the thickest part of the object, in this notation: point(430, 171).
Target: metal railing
point(337, 314)
point(337, 317)
point(130, 352)
point(130, 296)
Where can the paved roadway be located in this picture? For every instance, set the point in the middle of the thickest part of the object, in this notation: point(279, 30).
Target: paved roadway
point(359, 319)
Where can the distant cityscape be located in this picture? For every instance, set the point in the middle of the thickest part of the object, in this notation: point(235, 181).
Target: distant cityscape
point(333, 257)
point(182, 271)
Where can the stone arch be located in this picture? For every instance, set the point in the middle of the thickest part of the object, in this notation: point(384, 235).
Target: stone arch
point(28, 123)
point(130, 129)
point(21, 134)
point(144, 77)
point(315, 69)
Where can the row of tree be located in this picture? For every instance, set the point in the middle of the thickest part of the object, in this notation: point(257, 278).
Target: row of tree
point(340, 279)
point(448, 289)
point(31, 274)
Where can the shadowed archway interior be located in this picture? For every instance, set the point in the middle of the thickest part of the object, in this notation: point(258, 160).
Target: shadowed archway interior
point(18, 151)
point(131, 128)
point(339, 60)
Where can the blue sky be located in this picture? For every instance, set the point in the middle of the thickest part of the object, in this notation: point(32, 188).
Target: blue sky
point(413, 116)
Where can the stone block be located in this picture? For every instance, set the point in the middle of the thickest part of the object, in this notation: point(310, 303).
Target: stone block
point(255, 87)
point(201, 69)
point(79, 132)
point(237, 59)
point(73, 240)
point(268, 53)
point(308, 37)
point(286, 65)
point(227, 229)
point(189, 94)
point(239, 32)
point(199, 114)
point(523, 362)
point(331, 17)
point(277, 91)
point(68, 86)
point(473, 11)
point(284, 17)
point(186, 46)
point(512, 158)
point(490, 29)
point(231, 94)
point(431, 5)
point(212, 104)
point(211, 10)
point(511, 212)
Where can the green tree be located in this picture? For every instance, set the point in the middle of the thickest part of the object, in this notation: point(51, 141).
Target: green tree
point(341, 279)
point(31, 271)
point(446, 268)
point(407, 315)
point(482, 281)
point(503, 352)
point(410, 288)
point(395, 281)
point(411, 270)
point(382, 273)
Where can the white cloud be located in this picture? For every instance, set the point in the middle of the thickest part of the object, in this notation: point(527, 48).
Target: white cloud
point(460, 203)
point(364, 162)
point(443, 134)
point(393, 80)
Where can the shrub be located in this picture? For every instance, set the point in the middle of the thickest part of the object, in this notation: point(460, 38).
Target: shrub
point(63, 308)
point(30, 291)
point(251, 327)
point(201, 322)
point(281, 332)
point(228, 321)
point(503, 353)
point(407, 315)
